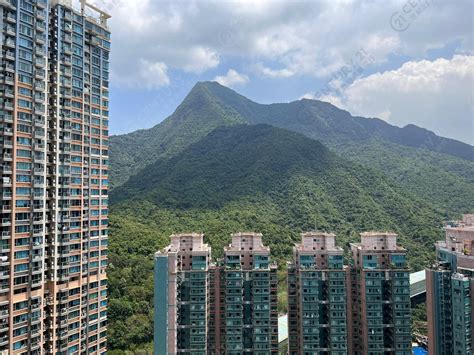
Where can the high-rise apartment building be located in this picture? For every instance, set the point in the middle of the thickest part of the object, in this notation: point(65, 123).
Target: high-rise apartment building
point(227, 308)
point(249, 284)
point(317, 321)
point(450, 290)
point(54, 125)
point(378, 297)
point(182, 296)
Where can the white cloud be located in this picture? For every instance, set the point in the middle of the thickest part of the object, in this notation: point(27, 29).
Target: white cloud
point(273, 73)
point(232, 78)
point(437, 95)
point(300, 38)
point(202, 59)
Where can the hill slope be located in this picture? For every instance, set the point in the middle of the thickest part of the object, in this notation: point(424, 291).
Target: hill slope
point(304, 181)
point(247, 177)
point(438, 169)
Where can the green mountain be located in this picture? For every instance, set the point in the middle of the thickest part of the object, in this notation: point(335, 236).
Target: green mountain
point(248, 177)
point(438, 169)
point(222, 163)
point(296, 181)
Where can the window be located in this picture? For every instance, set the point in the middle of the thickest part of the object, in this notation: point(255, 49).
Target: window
point(23, 153)
point(26, 30)
point(25, 116)
point(25, 78)
point(23, 254)
point(23, 54)
point(23, 140)
point(21, 267)
point(23, 191)
point(25, 92)
point(25, 43)
point(25, 104)
point(23, 178)
point(22, 165)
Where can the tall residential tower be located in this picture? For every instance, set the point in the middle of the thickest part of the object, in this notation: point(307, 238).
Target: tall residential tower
point(317, 322)
point(249, 284)
point(54, 125)
point(182, 296)
point(379, 297)
point(450, 291)
point(224, 308)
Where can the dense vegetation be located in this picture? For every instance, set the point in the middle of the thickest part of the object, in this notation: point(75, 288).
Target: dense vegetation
point(207, 168)
point(248, 178)
point(438, 169)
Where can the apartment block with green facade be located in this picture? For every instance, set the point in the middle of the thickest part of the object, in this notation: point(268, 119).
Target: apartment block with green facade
point(248, 304)
point(450, 290)
point(182, 296)
point(379, 297)
point(317, 319)
point(225, 308)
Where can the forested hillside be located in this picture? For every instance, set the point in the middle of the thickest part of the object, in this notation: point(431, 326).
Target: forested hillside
point(257, 178)
point(438, 169)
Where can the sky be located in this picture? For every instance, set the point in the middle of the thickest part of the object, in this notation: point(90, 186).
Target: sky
point(402, 61)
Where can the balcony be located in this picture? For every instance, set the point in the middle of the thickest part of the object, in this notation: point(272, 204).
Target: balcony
point(40, 52)
point(40, 86)
point(8, 67)
point(6, 181)
point(5, 222)
point(40, 62)
point(40, 26)
point(5, 235)
point(4, 260)
point(11, 18)
point(9, 43)
point(10, 55)
point(6, 117)
point(7, 131)
point(41, 38)
point(3, 340)
point(10, 30)
point(8, 80)
point(7, 105)
point(7, 93)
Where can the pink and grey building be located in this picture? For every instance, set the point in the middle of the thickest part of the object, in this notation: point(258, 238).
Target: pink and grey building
point(450, 290)
point(378, 297)
point(317, 322)
point(224, 308)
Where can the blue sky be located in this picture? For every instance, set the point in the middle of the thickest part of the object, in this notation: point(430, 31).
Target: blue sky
point(404, 62)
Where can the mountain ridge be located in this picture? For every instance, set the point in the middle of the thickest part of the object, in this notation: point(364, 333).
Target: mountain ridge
point(442, 178)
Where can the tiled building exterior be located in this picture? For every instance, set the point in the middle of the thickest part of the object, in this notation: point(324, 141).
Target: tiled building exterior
point(234, 309)
point(54, 123)
point(317, 322)
point(378, 297)
point(250, 287)
point(450, 290)
point(182, 296)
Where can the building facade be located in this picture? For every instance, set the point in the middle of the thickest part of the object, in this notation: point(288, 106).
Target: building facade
point(227, 308)
point(249, 283)
point(378, 297)
point(317, 321)
point(182, 290)
point(450, 290)
point(54, 124)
